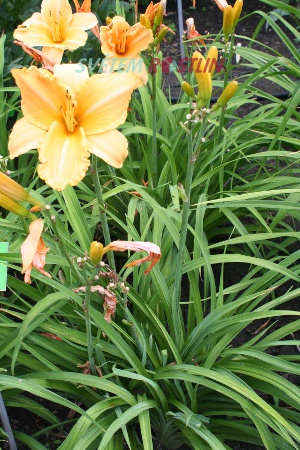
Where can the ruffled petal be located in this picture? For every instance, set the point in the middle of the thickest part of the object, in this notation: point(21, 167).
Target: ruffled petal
point(110, 146)
point(57, 14)
point(36, 34)
point(42, 96)
point(83, 20)
point(138, 40)
point(73, 75)
point(64, 157)
point(24, 137)
point(74, 38)
point(103, 101)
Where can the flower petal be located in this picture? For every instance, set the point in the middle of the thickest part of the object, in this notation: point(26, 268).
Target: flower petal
point(73, 75)
point(57, 13)
point(74, 38)
point(64, 157)
point(138, 40)
point(24, 137)
point(83, 20)
point(110, 146)
point(36, 34)
point(103, 101)
point(42, 96)
point(29, 246)
point(54, 53)
point(154, 252)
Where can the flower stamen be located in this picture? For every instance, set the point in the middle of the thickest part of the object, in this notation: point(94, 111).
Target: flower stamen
point(55, 28)
point(68, 115)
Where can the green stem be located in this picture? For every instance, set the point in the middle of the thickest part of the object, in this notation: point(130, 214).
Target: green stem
point(63, 248)
point(106, 233)
point(89, 336)
point(227, 68)
point(176, 311)
point(154, 137)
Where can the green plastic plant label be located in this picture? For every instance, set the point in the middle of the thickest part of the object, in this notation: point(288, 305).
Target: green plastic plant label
point(3, 267)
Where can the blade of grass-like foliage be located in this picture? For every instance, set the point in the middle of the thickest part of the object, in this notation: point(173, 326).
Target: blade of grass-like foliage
point(77, 219)
point(145, 426)
point(83, 424)
point(32, 443)
point(129, 414)
point(38, 314)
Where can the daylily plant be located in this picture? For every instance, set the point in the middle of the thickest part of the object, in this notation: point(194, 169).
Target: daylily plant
point(56, 29)
point(67, 116)
point(122, 45)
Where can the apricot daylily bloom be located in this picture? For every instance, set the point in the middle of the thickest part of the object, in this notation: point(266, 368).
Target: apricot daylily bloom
point(67, 116)
point(33, 251)
point(55, 28)
point(122, 42)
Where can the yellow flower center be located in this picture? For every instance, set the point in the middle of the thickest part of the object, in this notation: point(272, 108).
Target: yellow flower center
point(55, 28)
point(68, 115)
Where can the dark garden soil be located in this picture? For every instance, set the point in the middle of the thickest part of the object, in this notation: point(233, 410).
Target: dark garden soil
point(208, 19)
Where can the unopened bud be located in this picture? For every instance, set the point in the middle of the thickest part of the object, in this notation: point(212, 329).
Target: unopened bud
point(96, 252)
point(15, 191)
point(181, 192)
point(161, 35)
point(203, 79)
point(226, 95)
point(145, 22)
point(236, 12)
point(12, 206)
point(211, 60)
point(188, 89)
point(158, 16)
point(227, 21)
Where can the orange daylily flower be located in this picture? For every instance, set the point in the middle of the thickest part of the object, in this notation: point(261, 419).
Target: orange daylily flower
point(191, 32)
point(122, 45)
point(67, 116)
point(55, 28)
point(33, 251)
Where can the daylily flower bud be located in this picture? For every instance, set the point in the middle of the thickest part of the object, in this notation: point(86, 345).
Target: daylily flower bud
point(161, 35)
point(211, 60)
point(145, 22)
point(203, 79)
point(227, 21)
point(10, 205)
point(226, 95)
point(15, 191)
point(237, 9)
point(158, 16)
point(187, 88)
point(96, 252)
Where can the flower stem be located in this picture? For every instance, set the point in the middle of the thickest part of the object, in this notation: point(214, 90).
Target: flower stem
point(154, 137)
point(176, 311)
point(88, 325)
point(106, 233)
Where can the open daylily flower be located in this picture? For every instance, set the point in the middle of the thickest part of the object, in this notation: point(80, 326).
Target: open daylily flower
point(33, 251)
point(67, 116)
point(55, 28)
point(122, 45)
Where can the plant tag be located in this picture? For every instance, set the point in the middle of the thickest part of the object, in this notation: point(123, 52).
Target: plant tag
point(3, 267)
